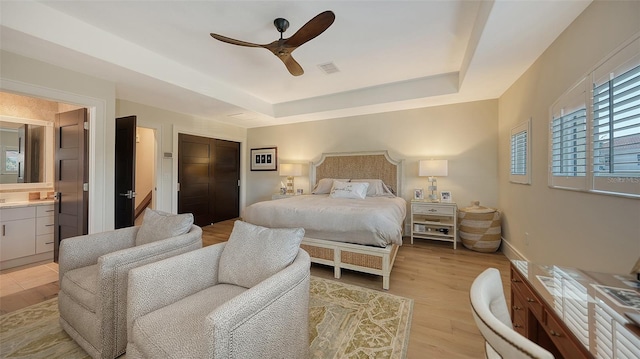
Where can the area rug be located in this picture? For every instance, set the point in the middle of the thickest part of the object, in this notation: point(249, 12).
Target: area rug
point(346, 321)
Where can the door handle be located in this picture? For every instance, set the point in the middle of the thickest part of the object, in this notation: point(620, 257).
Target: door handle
point(130, 194)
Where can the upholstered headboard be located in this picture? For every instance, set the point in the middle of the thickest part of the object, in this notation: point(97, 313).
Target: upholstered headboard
point(359, 165)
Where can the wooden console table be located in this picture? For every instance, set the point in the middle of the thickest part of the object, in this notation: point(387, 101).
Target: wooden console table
point(573, 313)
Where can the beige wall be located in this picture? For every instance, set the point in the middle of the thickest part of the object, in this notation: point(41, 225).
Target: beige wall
point(590, 231)
point(167, 125)
point(27, 107)
point(465, 134)
point(145, 164)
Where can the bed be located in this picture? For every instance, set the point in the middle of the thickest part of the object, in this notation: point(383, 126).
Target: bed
point(365, 233)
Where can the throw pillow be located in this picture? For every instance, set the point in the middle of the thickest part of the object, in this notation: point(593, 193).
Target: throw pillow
point(324, 185)
point(158, 225)
point(377, 188)
point(254, 253)
point(357, 190)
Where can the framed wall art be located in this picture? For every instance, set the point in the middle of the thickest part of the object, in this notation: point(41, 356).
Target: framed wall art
point(264, 159)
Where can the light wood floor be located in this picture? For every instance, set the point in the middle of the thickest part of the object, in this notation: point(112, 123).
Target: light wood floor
point(432, 273)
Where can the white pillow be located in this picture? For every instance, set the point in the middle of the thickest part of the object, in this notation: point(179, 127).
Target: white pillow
point(157, 225)
point(254, 253)
point(377, 188)
point(324, 185)
point(349, 190)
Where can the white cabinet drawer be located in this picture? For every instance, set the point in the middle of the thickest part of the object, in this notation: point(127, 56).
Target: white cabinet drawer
point(44, 225)
point(17, 238)
point(432, 209)
point(46, 210)
point(44, 243)
point(11, 214)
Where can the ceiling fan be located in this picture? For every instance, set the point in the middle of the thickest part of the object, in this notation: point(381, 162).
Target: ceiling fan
point(283, 48)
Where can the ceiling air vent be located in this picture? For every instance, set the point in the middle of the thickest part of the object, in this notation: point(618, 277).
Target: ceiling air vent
point(329, 68)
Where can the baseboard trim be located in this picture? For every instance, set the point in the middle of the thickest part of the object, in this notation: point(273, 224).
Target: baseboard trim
point(511, 252)
point(17, 262)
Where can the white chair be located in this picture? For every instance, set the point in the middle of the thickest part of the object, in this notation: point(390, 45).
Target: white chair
point(491, 314)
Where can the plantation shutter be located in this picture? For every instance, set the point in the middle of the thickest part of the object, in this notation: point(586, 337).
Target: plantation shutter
point(568, 141)
point(616, 125)
point(521, 153)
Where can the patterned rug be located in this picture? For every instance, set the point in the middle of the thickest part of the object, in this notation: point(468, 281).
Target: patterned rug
point(346, 321)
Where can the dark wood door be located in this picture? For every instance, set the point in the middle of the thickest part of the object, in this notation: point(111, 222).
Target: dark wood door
point(71, 174)
point(33, 155)
point(226, 177)
point(22, 149)
point(125, 172)
point(208, 173)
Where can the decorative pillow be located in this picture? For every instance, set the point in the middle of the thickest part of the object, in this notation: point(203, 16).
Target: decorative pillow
point(377, 188)
point(324, 185)
point(158, 225)
point(357, 190)
point(254, 253)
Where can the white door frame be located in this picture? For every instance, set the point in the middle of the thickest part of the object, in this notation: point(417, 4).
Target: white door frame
point(97, 110)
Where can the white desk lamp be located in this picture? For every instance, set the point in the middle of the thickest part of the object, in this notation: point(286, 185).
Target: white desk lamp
point(290, 170)
point(431, 169)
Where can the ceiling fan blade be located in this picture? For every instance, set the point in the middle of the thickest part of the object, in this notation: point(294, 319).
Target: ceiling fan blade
point(229, 40)
point(283, 52)
point(292, 65)
point(311, 29)
point(283, 48)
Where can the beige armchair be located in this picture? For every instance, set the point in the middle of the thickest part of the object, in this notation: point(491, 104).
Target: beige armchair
point(247, 298)
point(94, 272)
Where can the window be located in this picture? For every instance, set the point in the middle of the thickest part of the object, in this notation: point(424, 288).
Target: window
point(595, 129)
point(10, 160)
point(520, 153)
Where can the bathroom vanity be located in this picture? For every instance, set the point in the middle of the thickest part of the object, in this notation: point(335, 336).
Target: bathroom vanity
point(26, 232)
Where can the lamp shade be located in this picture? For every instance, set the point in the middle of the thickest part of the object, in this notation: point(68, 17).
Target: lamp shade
point(291, 169)
point(433, 168)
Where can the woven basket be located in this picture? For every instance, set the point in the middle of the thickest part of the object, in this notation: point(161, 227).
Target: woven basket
point(480, 228)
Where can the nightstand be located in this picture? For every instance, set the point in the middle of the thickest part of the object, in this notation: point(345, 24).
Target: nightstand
point(281, 196)
point(434, 220)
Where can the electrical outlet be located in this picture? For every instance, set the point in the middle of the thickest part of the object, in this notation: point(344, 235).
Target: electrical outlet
point(526, 238)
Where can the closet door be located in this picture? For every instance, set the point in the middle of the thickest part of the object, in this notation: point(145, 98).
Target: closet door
point(208, 177)
point(227, 180)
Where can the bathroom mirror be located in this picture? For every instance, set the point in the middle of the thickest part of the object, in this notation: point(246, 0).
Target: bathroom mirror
point(27, 153)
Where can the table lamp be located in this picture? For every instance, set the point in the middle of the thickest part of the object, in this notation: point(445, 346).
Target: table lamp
point(290, 170)
point(431, 169)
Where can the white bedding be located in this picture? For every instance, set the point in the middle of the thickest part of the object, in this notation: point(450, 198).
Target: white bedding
point(375, 221)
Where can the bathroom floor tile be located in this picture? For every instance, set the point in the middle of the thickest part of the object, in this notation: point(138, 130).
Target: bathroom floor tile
point(33, 277)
